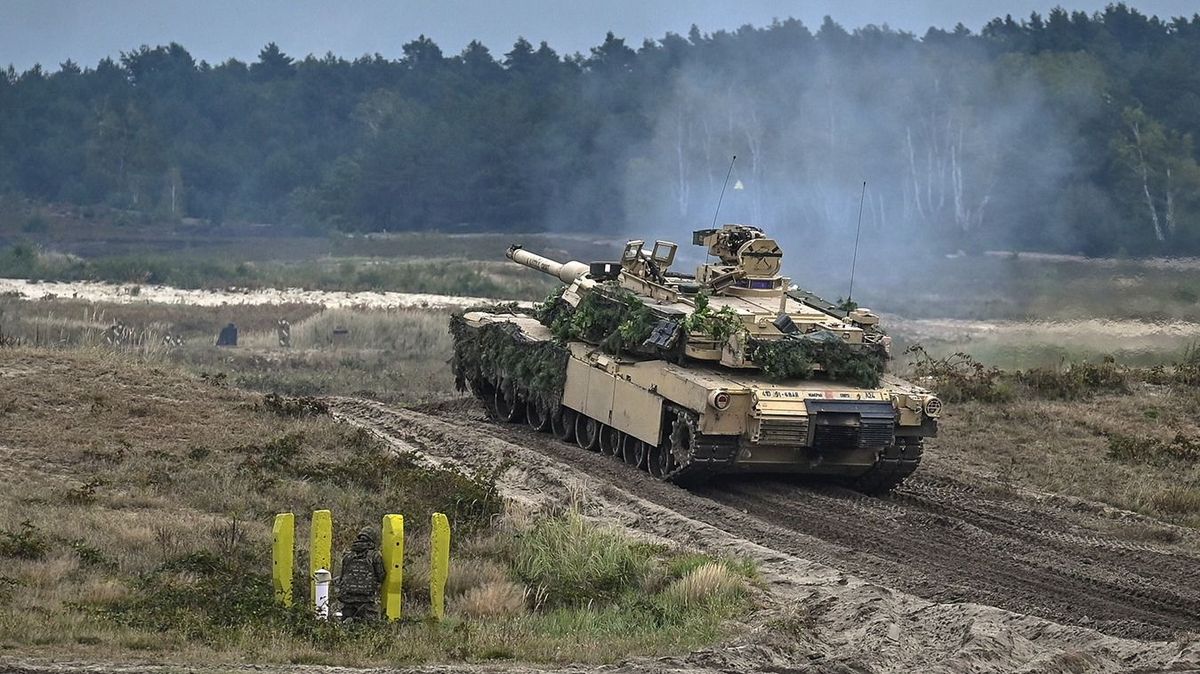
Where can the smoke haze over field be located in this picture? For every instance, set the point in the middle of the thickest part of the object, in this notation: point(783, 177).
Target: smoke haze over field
point(956, 148)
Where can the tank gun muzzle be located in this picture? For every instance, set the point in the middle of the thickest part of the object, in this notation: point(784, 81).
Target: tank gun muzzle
point(564, 271)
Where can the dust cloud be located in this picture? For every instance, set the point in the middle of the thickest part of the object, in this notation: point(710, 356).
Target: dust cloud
point(955, 149)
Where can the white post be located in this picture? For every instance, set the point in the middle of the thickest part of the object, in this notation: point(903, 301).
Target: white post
point(321, 596)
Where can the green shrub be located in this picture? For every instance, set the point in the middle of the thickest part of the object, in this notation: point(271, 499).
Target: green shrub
point(1153, 450)
point(1187, 370)
point(958, 377)
point(27, 542)
point(297, 407)
point(90, 555)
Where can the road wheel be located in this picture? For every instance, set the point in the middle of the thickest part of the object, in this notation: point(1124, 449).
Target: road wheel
point(610, 440)
point(537, 416)
point(486, 391)
point(562, 423)
point(508, 405)
point(633, 451)
point(587, 433)
point(659, 460)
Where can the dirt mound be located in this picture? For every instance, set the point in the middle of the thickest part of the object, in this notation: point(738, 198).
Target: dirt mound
point(1068, 598)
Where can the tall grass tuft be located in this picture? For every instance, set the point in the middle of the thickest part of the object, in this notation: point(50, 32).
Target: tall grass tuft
point(712, 584)
point(575, 561)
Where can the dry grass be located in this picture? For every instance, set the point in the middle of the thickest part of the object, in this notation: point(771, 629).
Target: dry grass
point(73, 323)
point(1065, 448)
point(134, 477)
point(492, 599)
point(395, 355)
point(1177, 501)
point(469, 574)
point(710, 584)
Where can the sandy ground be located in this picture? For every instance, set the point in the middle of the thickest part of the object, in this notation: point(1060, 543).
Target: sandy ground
point(1023, 331)
point(948, 575)
point(89, 291)
point(1172, 263)
point(942, 577)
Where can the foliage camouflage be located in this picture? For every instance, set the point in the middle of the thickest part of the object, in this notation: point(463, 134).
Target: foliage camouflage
point(497, 351)
point(803, 357)
point(619, 322)
point(719, 325)
point(157, 134)
point(612, 317)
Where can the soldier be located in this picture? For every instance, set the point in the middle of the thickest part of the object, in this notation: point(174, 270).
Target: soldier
point(360, 578)
point(228, 336)
point(284, 329)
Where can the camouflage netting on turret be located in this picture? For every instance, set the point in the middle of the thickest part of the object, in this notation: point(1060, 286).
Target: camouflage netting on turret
point(614, 318)
point(801, 357)
point(619, 322)
point(501, 352)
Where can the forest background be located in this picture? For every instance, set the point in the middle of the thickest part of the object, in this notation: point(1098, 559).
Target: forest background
point(1069, 132)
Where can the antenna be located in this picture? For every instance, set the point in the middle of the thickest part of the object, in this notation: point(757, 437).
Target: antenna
point(857, 232)
point(722, 197)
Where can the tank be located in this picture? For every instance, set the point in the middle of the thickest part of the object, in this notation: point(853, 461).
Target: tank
point(728, 370)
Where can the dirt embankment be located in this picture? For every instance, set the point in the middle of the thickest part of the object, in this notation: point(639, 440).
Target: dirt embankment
point(944, 576)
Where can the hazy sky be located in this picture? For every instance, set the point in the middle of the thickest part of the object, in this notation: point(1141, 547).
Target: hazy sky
point(50, 31)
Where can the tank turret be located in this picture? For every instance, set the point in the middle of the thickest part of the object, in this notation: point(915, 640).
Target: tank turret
point(730, 368)
point(738, 310)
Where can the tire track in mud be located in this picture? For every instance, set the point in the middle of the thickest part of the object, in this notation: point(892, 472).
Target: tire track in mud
point(936, 538)
point(947, 558)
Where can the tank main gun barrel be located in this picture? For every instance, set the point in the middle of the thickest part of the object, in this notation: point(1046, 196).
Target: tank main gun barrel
point(564, 271)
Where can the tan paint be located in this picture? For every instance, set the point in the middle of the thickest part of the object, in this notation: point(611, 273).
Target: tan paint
point(771, 419)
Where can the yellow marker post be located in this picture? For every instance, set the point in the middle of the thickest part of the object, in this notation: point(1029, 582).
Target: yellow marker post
point(439, 564)
point(393, 561)
point(319, 548)
point(283, 556)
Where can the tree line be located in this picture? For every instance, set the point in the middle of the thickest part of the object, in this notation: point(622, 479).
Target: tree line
point(1068, 132)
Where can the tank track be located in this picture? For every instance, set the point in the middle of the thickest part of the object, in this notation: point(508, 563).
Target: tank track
point(895, 464)
point(684, 456)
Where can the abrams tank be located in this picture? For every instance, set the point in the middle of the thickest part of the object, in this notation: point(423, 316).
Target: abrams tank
point(729, 370)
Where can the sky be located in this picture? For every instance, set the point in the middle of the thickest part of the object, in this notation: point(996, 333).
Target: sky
point(50, 31)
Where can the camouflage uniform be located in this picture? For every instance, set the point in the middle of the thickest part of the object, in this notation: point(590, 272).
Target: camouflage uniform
point(360, 578)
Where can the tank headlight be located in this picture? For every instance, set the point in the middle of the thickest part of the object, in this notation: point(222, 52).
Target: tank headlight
point(720, 399)
point(933, 407)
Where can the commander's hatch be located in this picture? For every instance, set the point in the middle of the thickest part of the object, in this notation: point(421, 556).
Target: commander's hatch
point(645, 272)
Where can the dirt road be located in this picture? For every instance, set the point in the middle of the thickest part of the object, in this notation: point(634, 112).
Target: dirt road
point(945, 574)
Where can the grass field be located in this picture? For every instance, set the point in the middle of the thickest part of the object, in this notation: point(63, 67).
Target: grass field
point(144, 477)
point(1049, 427)
point(135, 524)
point(167, 465)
